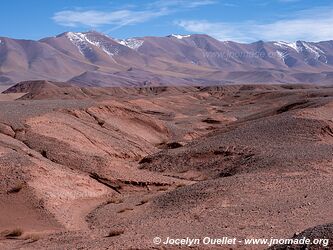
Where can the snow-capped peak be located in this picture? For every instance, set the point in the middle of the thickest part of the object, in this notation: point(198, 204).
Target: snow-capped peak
point(131, 43)
point(79, 40)
point(83, 40)
point(293, 45)
point(180, 36)
point(301, 46)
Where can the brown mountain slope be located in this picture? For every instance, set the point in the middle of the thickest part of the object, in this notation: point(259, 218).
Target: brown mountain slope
point(96, 59)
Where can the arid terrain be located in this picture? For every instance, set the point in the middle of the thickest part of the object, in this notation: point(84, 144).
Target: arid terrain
point(112, 168)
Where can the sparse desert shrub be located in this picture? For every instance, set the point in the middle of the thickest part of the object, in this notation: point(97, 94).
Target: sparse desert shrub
point(196, 217)
point(162, 189)
point(211, 121)
point(124, 210)
point(44, 153)
point(173, 145)
point(144, 201)
point(17, 188)
point(31, 237)
point(145, 160)
point(169, 145)
point(223, 152)
point(101, 123)
point(115, 200)
point(114, 233)
point(179, 185)
point(12, 234)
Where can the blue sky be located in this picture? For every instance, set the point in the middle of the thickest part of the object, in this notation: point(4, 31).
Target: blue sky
point(238, 20)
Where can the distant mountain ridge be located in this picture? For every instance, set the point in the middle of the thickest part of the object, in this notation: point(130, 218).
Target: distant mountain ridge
point(95, 59)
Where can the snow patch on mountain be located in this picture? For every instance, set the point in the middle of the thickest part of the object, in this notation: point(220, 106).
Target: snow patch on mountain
point(313, 49)
point(282, 55)
point(294, 46)
point(83, 40)
point(302, 46)
point(79, 40)
point(180, 36)
point(131, 43)
point(105, 45)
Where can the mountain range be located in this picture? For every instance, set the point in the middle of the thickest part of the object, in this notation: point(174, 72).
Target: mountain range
point(95, 59)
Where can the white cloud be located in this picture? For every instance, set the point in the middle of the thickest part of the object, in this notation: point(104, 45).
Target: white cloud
point(126, 16)
point(97, 18)
point(182, 3)
point(221, 31)
point(310, 25)
point(230, 5)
